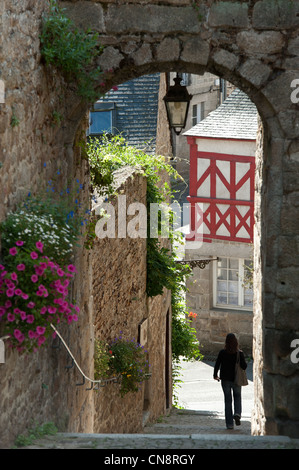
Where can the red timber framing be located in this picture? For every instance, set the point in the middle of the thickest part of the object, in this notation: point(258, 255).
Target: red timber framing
point(228, 218)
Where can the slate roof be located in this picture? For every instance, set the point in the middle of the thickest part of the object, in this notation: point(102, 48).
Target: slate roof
point(235, 118)
point(136, 110)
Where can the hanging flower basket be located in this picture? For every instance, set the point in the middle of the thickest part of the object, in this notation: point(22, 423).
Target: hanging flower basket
point(33, 294)
point(125, 359)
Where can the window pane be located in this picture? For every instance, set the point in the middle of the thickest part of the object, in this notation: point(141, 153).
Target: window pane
point(233, 287)
point(233, 263)
point(222, 286)
point(233, 299)
point(222, 274)
point(222, 298)
point(222, 263)
point(100, 122)
point(233, 275)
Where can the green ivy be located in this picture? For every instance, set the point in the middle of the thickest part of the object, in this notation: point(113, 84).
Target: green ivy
point(70, 50)
point(105, 157)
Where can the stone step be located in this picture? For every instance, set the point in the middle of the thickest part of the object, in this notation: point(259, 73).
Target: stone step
point(162, 441)
point(182, 429)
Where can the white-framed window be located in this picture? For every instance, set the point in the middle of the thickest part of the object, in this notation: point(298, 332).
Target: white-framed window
point(198, 113)
point(230, 287)
point(101, 118)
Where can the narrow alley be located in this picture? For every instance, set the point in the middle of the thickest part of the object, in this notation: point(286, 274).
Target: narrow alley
point(198, 424)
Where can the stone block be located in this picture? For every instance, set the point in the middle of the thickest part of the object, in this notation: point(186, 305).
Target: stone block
point(168, 50)
point(275, 14)
point(226, 59)
point(255, 43)
point(151, 19)
point(287, 314)
point(143, 55)
point(110, 58)
point(293, 47)
point(287, 282)
point(255, 72)
point(289, 220)
point(85, 15)
point(195, 51)
point(278, 92)
point(228, 14)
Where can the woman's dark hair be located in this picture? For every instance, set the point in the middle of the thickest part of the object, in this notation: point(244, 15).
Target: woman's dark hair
point(231, 343)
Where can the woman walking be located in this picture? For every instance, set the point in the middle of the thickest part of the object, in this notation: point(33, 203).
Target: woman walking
point(226, 361)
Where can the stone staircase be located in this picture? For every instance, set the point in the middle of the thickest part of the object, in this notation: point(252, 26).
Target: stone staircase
point(182, 429)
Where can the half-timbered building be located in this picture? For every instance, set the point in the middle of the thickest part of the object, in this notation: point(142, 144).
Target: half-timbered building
point(221, 209)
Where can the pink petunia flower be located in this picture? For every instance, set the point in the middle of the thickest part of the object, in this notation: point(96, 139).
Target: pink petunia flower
point(10, 317)
point(21, 267)
point(71, 268)
point(39, 245)
point(21, 338)
point(2, 267)
point(2, 311)
point(19, 243)
point(34, 278)
point(8, 304)
point(13, 251)
point(32, 334)
point(14, 276)
point(17, 333)
point(31, 305)
point(30, 318)
point(43, 310)
point(25, 296)
point(23, 315)
point(52, 309)
point(34, 255)
point(18, 292)
point(41, 340)
point(40, 330)
point(10, 292)
point(60, 272)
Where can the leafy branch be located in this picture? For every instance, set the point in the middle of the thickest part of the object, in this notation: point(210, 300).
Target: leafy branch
point(70, 50)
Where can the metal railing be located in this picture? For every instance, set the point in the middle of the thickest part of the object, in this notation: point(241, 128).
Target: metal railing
point(94, 384)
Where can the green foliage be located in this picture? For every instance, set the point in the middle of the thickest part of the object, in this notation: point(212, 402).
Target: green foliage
point(42, 218)
point(39, 431)
point(14, 121)
point(101, 360)
point(105, 157)
point(122, 358)
point(70, 50)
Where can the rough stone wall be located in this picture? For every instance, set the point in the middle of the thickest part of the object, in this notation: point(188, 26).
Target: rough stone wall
point(38, 388)
point(252, 44)
point(120, 305)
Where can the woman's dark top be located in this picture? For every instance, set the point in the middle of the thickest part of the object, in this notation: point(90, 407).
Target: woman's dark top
point(227, 362)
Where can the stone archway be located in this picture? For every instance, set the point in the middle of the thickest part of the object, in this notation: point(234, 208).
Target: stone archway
point(254, 45)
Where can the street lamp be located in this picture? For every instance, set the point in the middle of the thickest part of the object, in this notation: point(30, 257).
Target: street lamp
point(177, 100)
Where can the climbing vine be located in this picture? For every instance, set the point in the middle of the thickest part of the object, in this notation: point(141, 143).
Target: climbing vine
point(70, 50)
point(105, 157)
